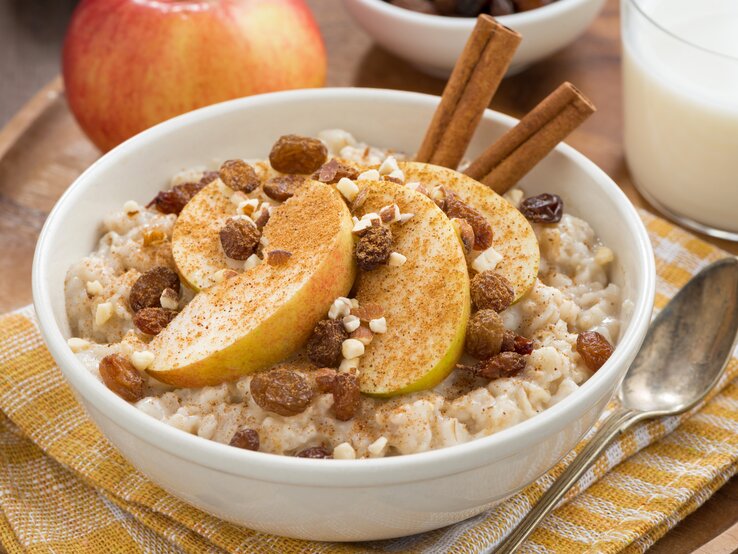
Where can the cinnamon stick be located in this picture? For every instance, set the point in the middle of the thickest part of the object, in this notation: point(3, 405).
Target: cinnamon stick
point(504, 163)
point(473, 82)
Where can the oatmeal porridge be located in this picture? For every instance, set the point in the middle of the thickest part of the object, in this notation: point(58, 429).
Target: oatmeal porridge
point(532, 329)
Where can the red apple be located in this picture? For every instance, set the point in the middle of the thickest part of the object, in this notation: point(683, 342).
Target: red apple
point(129, 64)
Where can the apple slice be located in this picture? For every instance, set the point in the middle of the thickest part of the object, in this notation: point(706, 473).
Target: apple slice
point(425, 300)
point(514, 238)
point(265, 314)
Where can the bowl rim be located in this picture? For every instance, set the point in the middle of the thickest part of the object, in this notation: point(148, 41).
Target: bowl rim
point(335, 473)
point(552, 10)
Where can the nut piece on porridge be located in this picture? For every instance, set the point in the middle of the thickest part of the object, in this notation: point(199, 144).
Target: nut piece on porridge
point(333, 171)
point(368, 311)
point(455, 208)
point(152, 321)
point(248, 439)
point(346, 396)
point(121, 377)
point(278, 257)
point(594, 349)
point(484, 334)
point(465, 232)
point(239, 238)
point(315, 452)
point(505, 364)
point(282, 391)
point(491, 291)
point(374, 248)
point(324, 345)
point(544, 208)
point(238, 175)
point(297, 154)
point(147, 290)
point(283, 187)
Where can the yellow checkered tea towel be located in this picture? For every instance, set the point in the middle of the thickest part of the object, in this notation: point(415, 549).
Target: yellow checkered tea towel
point(64, 489)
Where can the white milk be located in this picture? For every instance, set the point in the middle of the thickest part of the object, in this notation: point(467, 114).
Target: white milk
point(681, 106)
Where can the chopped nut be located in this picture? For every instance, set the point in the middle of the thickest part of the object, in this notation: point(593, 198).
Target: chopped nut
point(153, 321)
point(121, 377)
point(351, 323)
point(169, 299)
point(278, 257)
point(324, 346)
point(223, 275)
point(465, 233)
point(346, 396)
point(487, 260)
point(315, 452)
point(344, 451)
point(378, 326)
point(363, 335)
point(354, 303)
point(247, 439)
point(361, 225)
point(367, 312)
point(333, 171)
point(238, 175)
point(369, 175)
point(360, 199)
point(594, 349)
point(283, 187)
point(390, 214)
point(252, 261)
point(388, 166)
point(262, 217)
point(103, 313)
point(352, 348)
point(174, 200)
point(153, 237)
point(455, 208)
point(505, 364)
point(491, 291)
point(374, 248)
point(146, 291)
point(297, 154)
point(131, 208)
point(378, 448)
point(349, 366)
point(484, 334)
point(282, 391)
point(94, 288)
point(239, 238)
point(603, 255)
point(77, 345)
point(404, 218)
point(348, 189)
point(397, 176)
point(143, 359)
point(396, 259)
point(341, 307)
point(325, 377)
point(247, 207)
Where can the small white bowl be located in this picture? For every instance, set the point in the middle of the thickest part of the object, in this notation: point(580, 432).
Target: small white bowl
point(338, 499)
point(432, 43)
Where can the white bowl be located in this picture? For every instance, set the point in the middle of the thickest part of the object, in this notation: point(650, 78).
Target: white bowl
point(338, 499)
point(432, 43)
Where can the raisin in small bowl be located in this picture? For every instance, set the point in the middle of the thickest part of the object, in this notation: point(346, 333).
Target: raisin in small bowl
point(432, 43)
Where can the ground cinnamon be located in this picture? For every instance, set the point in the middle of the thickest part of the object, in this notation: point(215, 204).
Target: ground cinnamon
point(504, 163)
point(473, 82)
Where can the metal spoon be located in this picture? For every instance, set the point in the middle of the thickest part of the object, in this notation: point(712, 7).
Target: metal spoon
point(682, 358)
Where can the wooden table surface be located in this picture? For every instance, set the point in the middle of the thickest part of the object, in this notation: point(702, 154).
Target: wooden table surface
point(27, 192)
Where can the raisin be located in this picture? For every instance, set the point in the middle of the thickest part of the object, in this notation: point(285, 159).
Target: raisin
point(121, 377)
point(208, 177)
point(501, 7)
point(174, 200)
point(445, 7)
point(239, 238)
point(594, 349)
point(282, 391)
point(248, 439)
point(505, 364)
point(152, 321)
point(484, 334)
point(238, 175)
point(346, 396)
point(296, 154)
point(324, 345)
point(526, 5)
point(512, 342)
point(482, 229)
point(469, 8)
point(283, 187)
point(490, 291)
point(315, 452)
point(420, 6)
point(146, 291)
point(263, 218)
point(333, 171)
point(544, 208)
point(325, 378)
point(278, 257)
point(374, 248)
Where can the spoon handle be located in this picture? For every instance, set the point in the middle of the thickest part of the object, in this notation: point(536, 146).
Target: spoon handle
point(613, 425)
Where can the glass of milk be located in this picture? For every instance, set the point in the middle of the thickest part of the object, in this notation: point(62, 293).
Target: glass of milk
point(680, 74)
